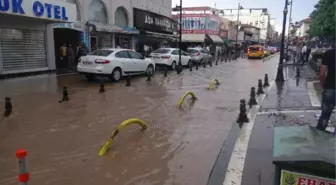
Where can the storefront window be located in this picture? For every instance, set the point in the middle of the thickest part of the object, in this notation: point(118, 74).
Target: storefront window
point(123, 41)
point(121, 17)
point(97, 12)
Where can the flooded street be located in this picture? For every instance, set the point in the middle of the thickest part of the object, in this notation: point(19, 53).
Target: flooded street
point(179, 147)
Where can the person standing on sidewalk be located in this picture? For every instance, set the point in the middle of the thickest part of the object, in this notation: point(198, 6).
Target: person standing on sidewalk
point(303, 53)
point(71, 57)
point(327, 80)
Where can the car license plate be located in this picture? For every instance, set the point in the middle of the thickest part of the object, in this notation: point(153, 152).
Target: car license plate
point(87, 63)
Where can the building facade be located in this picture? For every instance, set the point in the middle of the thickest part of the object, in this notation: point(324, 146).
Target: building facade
point(258, 17)
point(31, 32)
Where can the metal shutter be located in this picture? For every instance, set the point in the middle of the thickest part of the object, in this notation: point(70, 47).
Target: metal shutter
point(22, 49)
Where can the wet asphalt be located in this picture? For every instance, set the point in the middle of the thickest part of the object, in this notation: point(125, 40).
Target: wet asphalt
point(180, 147)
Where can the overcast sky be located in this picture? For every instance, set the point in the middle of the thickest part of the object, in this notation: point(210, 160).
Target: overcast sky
point(301, 8)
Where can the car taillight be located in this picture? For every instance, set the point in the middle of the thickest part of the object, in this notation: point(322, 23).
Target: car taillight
point(248, 50)
point(165, 57)
point(260, 49)
point(100, 61)
point(198, 54)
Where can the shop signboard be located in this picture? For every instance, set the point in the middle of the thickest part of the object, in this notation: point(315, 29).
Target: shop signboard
point(151, 21)
point(293, 178)
point(199, 24)
point(43, 9)
point(78, 26)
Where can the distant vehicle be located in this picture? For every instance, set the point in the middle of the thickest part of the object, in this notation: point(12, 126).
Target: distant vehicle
point(114, 63)
point(255, 51)
point(199, 55)
point(271, 49)
point(169, 57)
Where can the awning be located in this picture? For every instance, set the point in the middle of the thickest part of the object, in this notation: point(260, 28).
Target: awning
point(162, 35)
point(111, 28)
point(193, 37)
point(216, 39)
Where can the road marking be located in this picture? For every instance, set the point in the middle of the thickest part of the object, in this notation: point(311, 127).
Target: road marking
point(234, 172)
point(314, 100)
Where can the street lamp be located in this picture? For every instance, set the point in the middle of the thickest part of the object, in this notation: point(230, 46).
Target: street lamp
point(239, 8)
point(280, 76)
point(289, 25)
point(179, 8)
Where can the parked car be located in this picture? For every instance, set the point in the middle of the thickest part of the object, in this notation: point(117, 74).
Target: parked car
point(169, 57)
point(255, 51)
point(271, 49)
point(199, 55)
point(114, 63)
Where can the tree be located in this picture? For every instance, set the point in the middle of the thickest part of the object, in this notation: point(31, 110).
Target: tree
point(323, 20)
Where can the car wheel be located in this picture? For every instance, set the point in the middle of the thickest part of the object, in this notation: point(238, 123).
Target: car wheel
point(173, 66)
point(115, 75)
point(90, 77)
point(150, 70)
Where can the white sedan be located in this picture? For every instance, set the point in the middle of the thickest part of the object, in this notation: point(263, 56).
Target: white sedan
point(114, 63)
point(169, 57)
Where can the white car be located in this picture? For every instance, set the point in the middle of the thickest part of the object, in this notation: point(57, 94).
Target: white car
point(114, 63)
point(169, 57)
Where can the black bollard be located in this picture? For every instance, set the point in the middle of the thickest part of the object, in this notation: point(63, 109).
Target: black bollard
point(149, 77)
point(8, 107)
point(266, 84)
point(102, 88)
point(252, 100)
point(197, 65)
point(204, 65)
point(165, 71)
point(298, 72)
point(65, 95)
point(128, 81)
point(242, 117)
point(260, 87)
point(216, 62)
point(210, 63)
point(190, 66)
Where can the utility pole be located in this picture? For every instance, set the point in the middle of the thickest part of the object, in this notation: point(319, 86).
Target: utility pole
point(280, 76)
point(289, 25)
point(180, 40)
point(239, 7)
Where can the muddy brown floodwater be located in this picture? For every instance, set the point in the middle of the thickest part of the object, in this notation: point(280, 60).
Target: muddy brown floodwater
point(179, 148)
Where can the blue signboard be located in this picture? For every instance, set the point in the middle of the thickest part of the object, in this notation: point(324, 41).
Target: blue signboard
point(34, 9)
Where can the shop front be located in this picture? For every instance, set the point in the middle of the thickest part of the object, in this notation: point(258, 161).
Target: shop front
point(155, 31)
point(26, 34)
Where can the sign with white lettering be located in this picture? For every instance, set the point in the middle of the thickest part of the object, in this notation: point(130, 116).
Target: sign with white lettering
point(74, 26)
point(151, 21)
point(44, 9)
point(293, 178)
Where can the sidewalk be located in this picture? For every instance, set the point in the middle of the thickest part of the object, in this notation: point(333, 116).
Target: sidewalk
point(294, 103)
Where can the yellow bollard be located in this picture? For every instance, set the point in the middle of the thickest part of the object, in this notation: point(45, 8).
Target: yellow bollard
point(213, 83)
point(122, 125)
point(180, 102)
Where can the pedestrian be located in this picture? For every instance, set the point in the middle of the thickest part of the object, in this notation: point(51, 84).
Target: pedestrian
point(327, 80)
point(63, 52)
point(82, 50)
point(71, 56)
point(303, 53)
point(308, 53)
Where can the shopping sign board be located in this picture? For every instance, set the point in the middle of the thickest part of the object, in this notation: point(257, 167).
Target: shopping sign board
point(199, 23)
point(293, 178)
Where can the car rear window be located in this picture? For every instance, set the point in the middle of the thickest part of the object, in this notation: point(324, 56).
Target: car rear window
point(192, 51)
point(162, 51)
point(102, 52)
point(254, 48)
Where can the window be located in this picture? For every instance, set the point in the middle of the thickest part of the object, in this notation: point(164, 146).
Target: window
point(162, 51)
point(134, 55)
point(102, 52)
point(175, 52)
point(204, 51)
point(122, 54)
point(192, 51)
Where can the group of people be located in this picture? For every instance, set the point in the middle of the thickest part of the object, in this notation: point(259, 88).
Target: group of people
point(300, 52)
point(70, 57)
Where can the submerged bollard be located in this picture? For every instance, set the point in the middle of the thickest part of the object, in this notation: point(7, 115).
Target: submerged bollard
point(165, 71)
point(260, 87)
point(23, 176)
point(65, 95)
point(128, 81)
point(102, 88)
point(252, 100)
point(266, 84)
point(149, 78)
point(298, 72)
point(242, 117)
point(8, 107)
